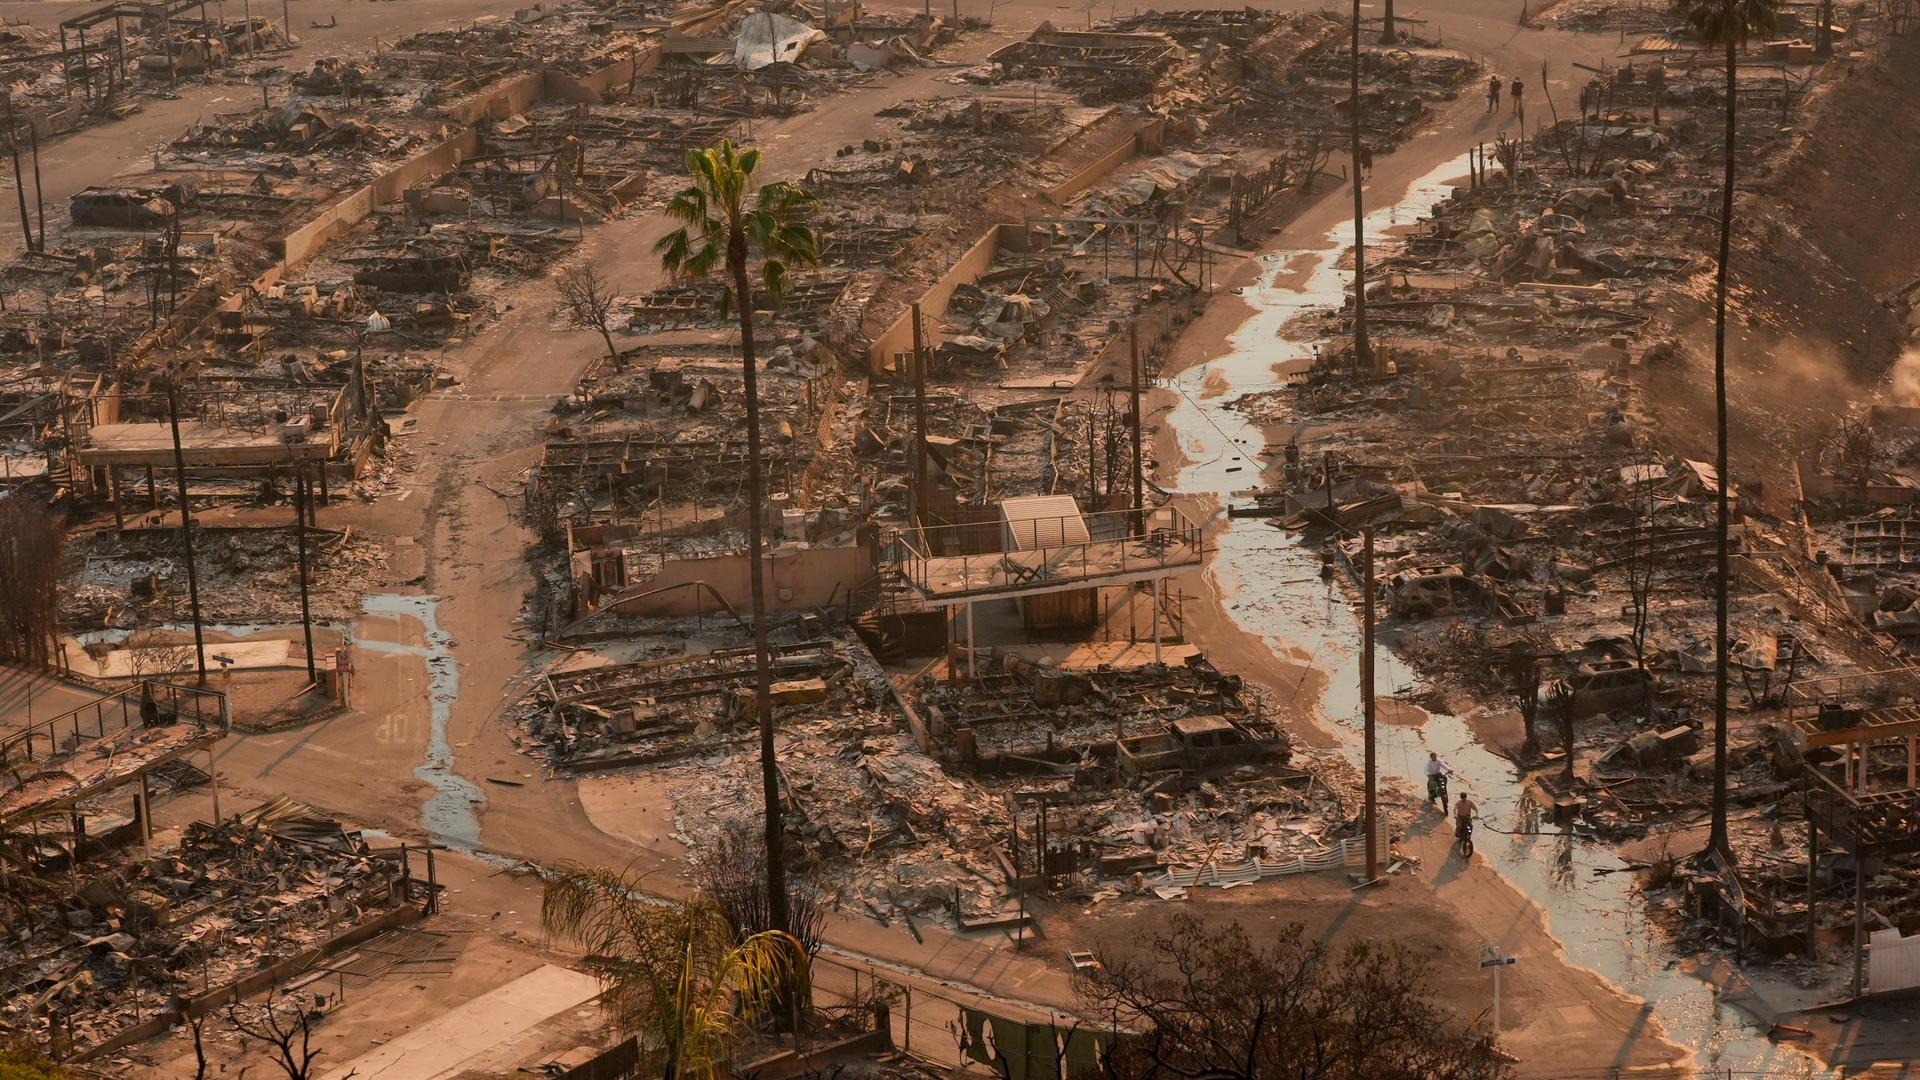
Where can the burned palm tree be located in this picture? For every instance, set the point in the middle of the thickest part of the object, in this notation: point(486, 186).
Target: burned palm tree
point(1728, 23)
point(726, 224)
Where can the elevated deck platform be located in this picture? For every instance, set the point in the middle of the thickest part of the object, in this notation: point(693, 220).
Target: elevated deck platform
point(1046, 557)
point(202, 444)
point(105, 744)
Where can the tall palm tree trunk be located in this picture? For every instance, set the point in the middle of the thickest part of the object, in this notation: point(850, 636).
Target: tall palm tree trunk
point(756, 553)
point(1717, 838)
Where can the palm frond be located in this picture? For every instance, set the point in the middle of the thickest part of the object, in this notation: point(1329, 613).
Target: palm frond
point(1728, 21)
point(714, 209)
point(671, 971)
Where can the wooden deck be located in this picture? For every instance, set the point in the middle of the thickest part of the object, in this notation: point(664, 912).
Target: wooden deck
point(958, 578)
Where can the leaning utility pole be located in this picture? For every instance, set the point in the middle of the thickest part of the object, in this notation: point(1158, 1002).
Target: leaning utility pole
point(1369, 819)
point(301, 500)
point(39, 189)
point(1362, 354)
point(186, 528)
point(19, 180)
point(1139, 461)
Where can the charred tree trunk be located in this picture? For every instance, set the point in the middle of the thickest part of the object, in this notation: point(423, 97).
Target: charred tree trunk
point(756, 553)
point(1717, 838)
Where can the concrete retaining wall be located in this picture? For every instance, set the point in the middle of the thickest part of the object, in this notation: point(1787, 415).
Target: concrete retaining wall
point(897, 340)
point(1145, 140)
point(350, 210)
point(592, 88)
point(499, 101)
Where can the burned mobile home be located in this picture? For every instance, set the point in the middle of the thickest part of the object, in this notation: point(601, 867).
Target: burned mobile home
point(113, 935)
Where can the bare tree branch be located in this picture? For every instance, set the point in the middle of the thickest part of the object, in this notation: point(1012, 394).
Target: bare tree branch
point(588, 301)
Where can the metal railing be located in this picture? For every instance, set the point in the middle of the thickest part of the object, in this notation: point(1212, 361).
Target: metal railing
point(1045, 551)
point(114, 713)
point(1868, 688)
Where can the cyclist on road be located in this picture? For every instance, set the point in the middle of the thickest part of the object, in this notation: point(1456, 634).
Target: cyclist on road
point(1437, 773)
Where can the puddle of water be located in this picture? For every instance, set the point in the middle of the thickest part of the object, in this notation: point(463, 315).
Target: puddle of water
point(452, 815)
point(1270, 585)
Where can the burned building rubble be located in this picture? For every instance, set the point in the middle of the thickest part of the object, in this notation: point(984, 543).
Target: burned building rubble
point(987, 461)
point(1544, 542)
point(107, 939)
point(918, 798)
point(278, 278)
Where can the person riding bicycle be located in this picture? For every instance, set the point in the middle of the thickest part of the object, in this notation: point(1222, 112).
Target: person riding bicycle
point(1437, 773)
point(1463, 813)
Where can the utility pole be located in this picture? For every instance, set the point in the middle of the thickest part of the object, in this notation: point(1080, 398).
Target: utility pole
point(301, 499)
point(919, 470)
point(39, 190)
point(1387, 36)
point(19, 181)
point(1139, 461)
point(1362, 354)
point(186, 527)
point(173, 261)
point(1366, 702)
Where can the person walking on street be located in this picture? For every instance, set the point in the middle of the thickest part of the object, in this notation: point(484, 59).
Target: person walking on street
point(1493, 93)
point(1519, 103)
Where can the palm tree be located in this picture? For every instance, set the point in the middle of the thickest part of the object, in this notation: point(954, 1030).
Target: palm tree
point(675, 974)
point(1727, 22)
point(724, 222)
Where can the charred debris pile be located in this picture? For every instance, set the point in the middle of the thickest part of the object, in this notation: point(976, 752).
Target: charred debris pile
point(1544, 532)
